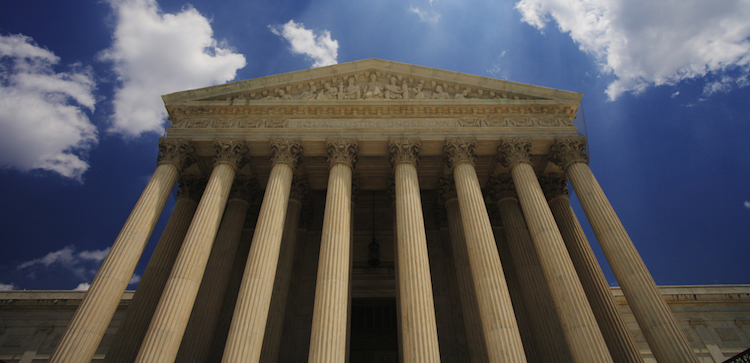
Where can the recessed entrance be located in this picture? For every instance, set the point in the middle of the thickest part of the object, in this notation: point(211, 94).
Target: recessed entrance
point(374, 331)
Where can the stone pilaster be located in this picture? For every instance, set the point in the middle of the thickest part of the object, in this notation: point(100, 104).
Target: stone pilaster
point(419, 335)
point(127, 340)
point(272, 338)
point(532, 283)
point(501, 333)
point(162, 340)
point(621, 344)
point(469, 307)
point(584, 339)
point(245, 338)
point(328, 337)
point(92, 317)
point(659, 327)
point(203, 322)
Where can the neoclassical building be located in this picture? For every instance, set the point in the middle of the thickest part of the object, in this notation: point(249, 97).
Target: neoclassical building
point(376, 212)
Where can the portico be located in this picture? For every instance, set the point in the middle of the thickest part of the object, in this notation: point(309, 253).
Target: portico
point(307, 161)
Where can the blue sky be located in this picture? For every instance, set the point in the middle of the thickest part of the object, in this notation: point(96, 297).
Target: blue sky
point(666, 104)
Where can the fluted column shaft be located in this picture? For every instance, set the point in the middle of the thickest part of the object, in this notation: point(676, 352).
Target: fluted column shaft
point(533, 285)
point(419, 334)
point(621, 344)
point(659, 327)
point(162, 340)
point(92, 317)
point(203, 322)
point(328, 336)
point(469, 307)
point(132, 329)
point(272, 339)
point(501, 333)
point(477, 348)
point(579, 325)
point(245, 338)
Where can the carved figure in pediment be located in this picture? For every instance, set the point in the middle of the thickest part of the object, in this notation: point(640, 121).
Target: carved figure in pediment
point(328, 93)
point(283, 95)
point(266, 96)
point(440, 94)
point(418, 92)
point(353, 91)
point(373, 89)
point(480, 93)
point(405, 90)
point(309, 95)
point(463, 95)
point(395, 92)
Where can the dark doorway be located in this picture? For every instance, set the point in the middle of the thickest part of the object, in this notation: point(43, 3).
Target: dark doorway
point(374, 336)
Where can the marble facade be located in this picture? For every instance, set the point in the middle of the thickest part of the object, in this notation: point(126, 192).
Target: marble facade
point(375, 211)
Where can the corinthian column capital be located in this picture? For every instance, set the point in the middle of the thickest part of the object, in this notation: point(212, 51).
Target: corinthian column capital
point(403, 150)
point(514, 150)
point(230, 151)
point(286, 151)
point(191, 187)
point(446, 189)
point(300, 188)
point(554, 185)
point(245, 189)
point(342, 151)
point(178, 152)
point(458, 151)
point(499, 188)
point(569, 150)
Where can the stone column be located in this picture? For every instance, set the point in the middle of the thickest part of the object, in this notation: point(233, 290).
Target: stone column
point(469, 307)
point(532, 283)
point(520, 308)
point(92, 317)
point(419, 334)
point(203, 322)
point(162, 340)
point(659, 327)
point(272, 338)
point(245, 338)
point(233, 286)
point(501, 333)
point(621, 344)
point(390, 189)
point(328, 337)
point(129, 335)
point(579, 325)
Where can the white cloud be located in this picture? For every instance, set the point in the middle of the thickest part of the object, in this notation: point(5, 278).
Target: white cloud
point(156, 53)
point(43, 124)
point(82, 264)
point(747, 204)
point(83, 286)
point(135, 279)
point(645, 42)
point(427, 16)
point(7, 287)
point(321, 49)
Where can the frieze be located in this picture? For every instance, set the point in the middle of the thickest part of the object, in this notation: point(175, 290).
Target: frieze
point(373, 123)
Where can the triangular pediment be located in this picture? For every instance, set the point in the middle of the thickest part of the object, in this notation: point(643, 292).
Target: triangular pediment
point(372, 80)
